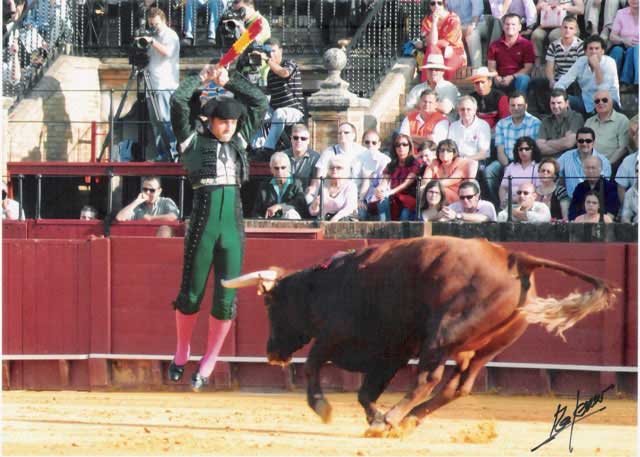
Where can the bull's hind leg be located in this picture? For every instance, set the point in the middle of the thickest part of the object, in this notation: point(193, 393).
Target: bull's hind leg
point(463, 380)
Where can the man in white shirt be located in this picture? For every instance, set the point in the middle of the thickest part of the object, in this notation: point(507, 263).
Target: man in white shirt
point(527, 209)
point(471, 134)
point(164, 54)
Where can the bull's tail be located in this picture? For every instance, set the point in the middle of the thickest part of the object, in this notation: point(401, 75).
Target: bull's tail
point(560, 314)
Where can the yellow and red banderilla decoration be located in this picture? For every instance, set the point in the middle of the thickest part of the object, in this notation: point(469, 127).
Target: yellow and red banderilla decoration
point(241, 43)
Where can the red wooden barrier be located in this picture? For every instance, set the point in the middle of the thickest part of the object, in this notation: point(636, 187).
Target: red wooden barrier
point(14, 230)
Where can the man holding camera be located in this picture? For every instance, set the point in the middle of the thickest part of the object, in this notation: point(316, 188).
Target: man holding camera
point(284, 85)
point(163, 49)
point(246, 9)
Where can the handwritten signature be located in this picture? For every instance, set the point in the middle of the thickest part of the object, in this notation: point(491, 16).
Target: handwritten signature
point(582, 410)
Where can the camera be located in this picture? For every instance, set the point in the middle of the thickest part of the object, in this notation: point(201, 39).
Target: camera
point(256, 52)
point(230, 24)
point(142, 36)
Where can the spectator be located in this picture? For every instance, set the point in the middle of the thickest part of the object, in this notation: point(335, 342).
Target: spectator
point(563, 52)
point(88, 213)
point(624, 37)
point(630, 203)
point(524, 10)
point(611, 128)
point(426, 123)
point(475, 27)
point(591, 208)
point(493, 104)
point(469, 207)
point(164, 54)
point(557, 132)
point(149, 205)
point(442, 34)
point(592, 16)
point(346, 147)
point(281, 196)
point(284, 85)
point(524, 168)
point(624, 175)
point(10, 208)
point(164, 231)
point(433, 201)
point(592, 71)
point(339, 194)
point(446, 91)
point(425, 154)
point(303, 158)
point(449, 168)
point(571, 8)
point(395, 197)
point(526, 208)
point(508, 130)
point(374, 164)
point(550, 192)
point(571, 170)
point(214, 10)
point(471, 134)
point(592, 169)
point(512, 56)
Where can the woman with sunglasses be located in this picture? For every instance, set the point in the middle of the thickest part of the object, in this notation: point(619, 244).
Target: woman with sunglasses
point(448, 168)
point(339, 194)
point(433, 200)
point(550, 191)
point(524, 168)
point(592, 210)
point(442, 34)
point(395, 197)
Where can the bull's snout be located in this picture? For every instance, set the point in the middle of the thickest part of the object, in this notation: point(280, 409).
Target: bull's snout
point(275, 359)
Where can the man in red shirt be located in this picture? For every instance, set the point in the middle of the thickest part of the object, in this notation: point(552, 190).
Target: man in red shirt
point(512, 56)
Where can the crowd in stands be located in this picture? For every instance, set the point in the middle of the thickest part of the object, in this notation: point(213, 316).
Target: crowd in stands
point(473, 156)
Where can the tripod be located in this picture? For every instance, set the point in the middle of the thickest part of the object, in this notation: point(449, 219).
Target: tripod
point(146, 110)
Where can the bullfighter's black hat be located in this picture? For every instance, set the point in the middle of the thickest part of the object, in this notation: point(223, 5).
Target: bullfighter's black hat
point(223, 107)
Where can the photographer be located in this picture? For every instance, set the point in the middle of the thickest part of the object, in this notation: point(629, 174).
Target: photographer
point(163, 48)
point(247, 11)
point(284, 85)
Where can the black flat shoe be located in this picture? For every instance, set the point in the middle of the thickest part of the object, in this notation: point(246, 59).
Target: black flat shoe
point(198, 381)
point(175, 371)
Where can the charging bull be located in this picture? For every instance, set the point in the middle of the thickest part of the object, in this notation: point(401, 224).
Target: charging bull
point(435, 298)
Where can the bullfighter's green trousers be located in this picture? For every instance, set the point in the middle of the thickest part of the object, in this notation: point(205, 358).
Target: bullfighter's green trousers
point(215, 238)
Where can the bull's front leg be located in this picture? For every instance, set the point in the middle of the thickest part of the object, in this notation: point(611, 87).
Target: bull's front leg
point(317, 357)
point(374, 383)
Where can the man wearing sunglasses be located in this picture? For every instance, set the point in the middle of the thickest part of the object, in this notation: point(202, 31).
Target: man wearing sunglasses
point(303, 157)
point(571, 162)
point(281, 197)
point(611, 127)
point(470, 208)
point(149, 205)
point(526, 208)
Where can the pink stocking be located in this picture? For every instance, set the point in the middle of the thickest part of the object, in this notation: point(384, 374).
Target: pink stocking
point(217, 333)
point(184, 328)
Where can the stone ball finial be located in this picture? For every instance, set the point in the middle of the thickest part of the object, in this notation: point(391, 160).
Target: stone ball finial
point(335, 60)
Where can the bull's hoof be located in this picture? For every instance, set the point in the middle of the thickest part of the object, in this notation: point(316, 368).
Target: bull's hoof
point(323, 409)
point(408, 425)
point(378, 429)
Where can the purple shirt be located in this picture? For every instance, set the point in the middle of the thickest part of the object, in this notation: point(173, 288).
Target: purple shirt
point(484, 207)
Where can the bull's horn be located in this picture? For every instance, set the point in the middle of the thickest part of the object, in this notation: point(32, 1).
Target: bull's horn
point(250, 279)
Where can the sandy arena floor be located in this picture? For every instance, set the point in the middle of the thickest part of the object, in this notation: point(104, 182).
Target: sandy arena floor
point(247, 424)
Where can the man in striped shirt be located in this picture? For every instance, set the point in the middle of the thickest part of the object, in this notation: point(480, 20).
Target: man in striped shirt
point(284, 85)
point(563, 53)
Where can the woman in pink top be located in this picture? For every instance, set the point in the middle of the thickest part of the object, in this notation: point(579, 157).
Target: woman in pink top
point(449, 168)
point(624, 37)
point(526, 157)
point(339, 194)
